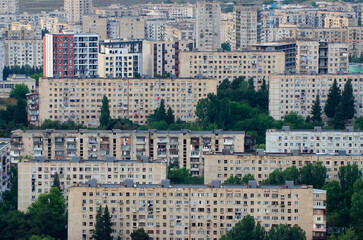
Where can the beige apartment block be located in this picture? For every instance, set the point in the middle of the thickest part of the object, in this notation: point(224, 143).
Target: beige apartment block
point(177, 31)
point(21, 52)
point(184, 148)
point(77, 8)
point(328, 35)
point(336, 22)
point(37, 176)
point(307, 56)
point(131, 27)
point(193, 211)
point(296, 92)
point(163, 57)
point(92, 23)
point(230, 65)
point(246, 26)
point(208, 26)
point(227, 28)
point(80, 100)
point(221, 166)
point(318, 140)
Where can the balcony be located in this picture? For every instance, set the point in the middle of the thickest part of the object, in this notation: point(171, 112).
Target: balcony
point(195, 154)
point(162, 140)
point(228, 142)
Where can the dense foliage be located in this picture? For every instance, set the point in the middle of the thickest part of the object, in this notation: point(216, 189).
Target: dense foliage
point(139, 234)
point(310, 174)
point(182, 176)
point(239, 181)
point(247, 229)
point(26, 69)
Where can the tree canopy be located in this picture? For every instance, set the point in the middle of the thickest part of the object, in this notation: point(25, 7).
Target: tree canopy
point(139, 234)
point(19, 91)
point(105, 113)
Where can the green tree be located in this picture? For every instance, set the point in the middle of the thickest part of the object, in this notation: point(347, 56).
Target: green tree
point(159, 113)
point(316, 111)
point(47, 215)
point(105, 113)
point(19, 91)
point(348, 235)
point(36, 237)
point(358, 123)
point(348, 100)
point(334, 195)
point(182, 176)
point(56, 182)
point(233, 181)
point(313, 174)
point(334, 97)
point(226, 47)
point(98, 231)
point(284, 232)
point(107, 225)
point(339, 117)
point(139, 234)
point(247, 177)
point(20, 113)
point(246, 229)
point(294, 121)
point(169, 116)
point(356, 210)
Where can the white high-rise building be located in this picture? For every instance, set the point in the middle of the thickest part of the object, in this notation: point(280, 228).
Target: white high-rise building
point(77, 8)
point(208, 26)
point(9, 6)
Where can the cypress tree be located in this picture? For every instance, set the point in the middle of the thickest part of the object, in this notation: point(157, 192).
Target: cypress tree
point(339, 117)
point(56, 182)
point(316, 110)
point(333, 100)
point(170, 116)
point(107, 225)
point(98, 232)
point(160, 112)
point(105, 113)
point(20, 113)
point(348, 100)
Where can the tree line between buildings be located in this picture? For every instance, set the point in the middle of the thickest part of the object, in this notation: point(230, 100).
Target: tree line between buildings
point(236, 106)
point(33, 72)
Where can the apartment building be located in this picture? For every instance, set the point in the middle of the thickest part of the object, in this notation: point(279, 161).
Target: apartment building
point(328, 35)
point(70, 55)
point(80, 99)
point(32, 99)
point(9, 6)
point(76, 9)
point(288, 47)
point(97, 24)
point(36, 176)
point(333, 58)
point(120, 59)
point(230, 65)
point(296, 92)
point(227, 28)
point(154, 29)
point(179, 31)
point(194, 211)
point(314, 141)
point(208, 26)
point(163, 57)
point(21, 52)
point(221, 166)
point(247, 26)
point(131, 27)
point(307, 56)
point(281, 33)
point(5, 165)
point(184, 148)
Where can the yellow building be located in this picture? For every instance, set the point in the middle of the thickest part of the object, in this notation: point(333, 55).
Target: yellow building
point(193, 211)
